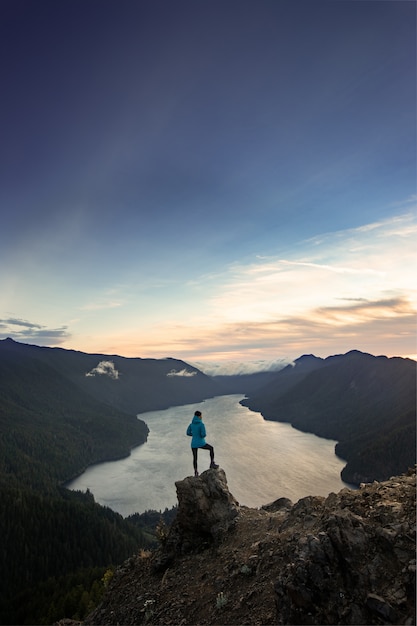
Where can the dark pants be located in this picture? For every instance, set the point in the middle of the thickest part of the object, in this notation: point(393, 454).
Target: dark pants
point(206, 447)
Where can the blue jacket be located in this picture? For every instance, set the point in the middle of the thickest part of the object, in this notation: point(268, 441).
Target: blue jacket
point(197, 431)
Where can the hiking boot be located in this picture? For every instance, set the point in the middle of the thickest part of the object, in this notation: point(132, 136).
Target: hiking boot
point(214, 465)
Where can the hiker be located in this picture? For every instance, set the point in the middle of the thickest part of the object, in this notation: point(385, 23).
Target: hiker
point(197, 431)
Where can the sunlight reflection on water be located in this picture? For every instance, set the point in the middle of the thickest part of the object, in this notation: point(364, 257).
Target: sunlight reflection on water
point(263, 460)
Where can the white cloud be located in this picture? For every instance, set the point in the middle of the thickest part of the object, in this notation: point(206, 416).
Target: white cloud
point(105, 368)
point(230, 368)
point(184, 372)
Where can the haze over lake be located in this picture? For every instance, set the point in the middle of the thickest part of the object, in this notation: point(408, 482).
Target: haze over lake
point(263, 460)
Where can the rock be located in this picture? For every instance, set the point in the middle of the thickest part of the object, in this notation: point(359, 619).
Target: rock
point(349, 558)
point(206, 511)
point(332, 576)
point(205, 505)
point(382, 608)
point(282, 504)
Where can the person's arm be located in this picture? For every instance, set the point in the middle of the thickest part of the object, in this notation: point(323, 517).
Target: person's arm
point(189, 433)
point(202, 431)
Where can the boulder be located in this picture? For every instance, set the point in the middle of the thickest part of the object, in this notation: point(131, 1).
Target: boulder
point(206, 512)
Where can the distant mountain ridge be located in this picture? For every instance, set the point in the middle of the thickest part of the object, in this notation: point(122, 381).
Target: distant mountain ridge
point(366, 403)
point(141, 384)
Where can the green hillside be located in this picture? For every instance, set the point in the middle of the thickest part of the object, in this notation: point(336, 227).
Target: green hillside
point(366, 403)
point(55, 543)
point(51, 429)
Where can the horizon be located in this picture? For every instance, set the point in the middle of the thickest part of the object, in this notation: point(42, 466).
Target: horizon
point(210, 368)
point(218, 182)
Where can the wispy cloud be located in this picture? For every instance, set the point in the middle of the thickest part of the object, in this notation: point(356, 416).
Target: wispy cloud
point(345, 290)
point(332, 293)
point(24, 330)
point(107, 299)
point(13, 321)
point(358, 263)
point(387, 326)
point(99, 306)
point(331, 268)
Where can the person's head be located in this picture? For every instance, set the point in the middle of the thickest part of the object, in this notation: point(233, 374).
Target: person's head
point(198, 414)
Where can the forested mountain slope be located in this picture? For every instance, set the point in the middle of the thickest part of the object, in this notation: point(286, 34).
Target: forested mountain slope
point(52, 429)
point(366, 403)
point(56, 545)
point(56, 538)
point(133, 385)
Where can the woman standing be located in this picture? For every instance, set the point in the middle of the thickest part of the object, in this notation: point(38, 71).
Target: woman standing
point(197, 431)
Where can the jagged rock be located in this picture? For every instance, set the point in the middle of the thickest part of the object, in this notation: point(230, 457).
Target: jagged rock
point(356, 564)
point(206, 511)
point(205, 505)
point(349, 558)
point(278, 505)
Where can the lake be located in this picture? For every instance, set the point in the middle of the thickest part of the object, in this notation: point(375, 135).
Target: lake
point(263, 460)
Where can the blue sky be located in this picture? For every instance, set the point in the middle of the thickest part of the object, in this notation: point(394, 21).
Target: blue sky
point(208, 180)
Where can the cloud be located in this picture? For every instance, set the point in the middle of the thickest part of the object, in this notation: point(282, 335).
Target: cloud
point(330, 268)
point(23, 330)
point(184, 372)
point(385, 326)
point(231, 368)
point(329, 294)
point(99, 306)
point(13, 321)
point(271, 311)
point(105, 368)
point(366, 262)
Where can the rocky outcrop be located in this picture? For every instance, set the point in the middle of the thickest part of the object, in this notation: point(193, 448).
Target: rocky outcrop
point(206, 511)
point(355, 563)
point(349, 558)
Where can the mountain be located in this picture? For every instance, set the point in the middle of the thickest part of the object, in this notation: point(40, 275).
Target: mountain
point(348, 558)
point(366, 403)
point(56, 543)
point(51, 428)
point(133, 385)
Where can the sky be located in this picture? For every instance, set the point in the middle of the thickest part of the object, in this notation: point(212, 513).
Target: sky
point(215, 181)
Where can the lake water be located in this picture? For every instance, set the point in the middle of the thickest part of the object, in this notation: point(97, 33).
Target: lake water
point(263, 460)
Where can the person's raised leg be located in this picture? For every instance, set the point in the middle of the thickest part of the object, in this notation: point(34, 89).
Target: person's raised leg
point(210, 448)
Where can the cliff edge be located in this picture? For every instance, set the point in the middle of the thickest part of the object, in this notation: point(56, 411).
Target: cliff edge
point(349, 558)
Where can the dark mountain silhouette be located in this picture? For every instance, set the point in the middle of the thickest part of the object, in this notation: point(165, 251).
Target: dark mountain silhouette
point(133, 385)
point(366, 403)
point(51, 428)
